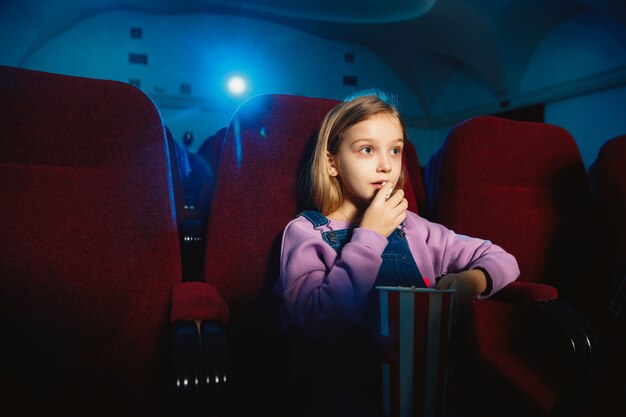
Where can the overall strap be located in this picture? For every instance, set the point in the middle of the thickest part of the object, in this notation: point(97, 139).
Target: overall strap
point(398, 267)
point(315, 217)
point(335, 238)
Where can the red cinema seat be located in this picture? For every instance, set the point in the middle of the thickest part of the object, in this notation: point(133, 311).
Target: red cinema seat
point(523, 186)
point(89, 253)
point(266, 146)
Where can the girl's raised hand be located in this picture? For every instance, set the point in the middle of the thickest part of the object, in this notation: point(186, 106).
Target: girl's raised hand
point(384, 214)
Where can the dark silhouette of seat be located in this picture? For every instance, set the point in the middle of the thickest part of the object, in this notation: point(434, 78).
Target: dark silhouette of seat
point(609, 186)
point(180, 168)
point(211, 148)
point(608, 179)
point(191, 220)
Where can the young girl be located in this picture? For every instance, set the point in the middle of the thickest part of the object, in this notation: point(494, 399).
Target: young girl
point(362, 236)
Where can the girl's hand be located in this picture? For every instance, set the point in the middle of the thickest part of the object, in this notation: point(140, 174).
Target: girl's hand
point(467, 284)
point(470, 283)
point(384, 214)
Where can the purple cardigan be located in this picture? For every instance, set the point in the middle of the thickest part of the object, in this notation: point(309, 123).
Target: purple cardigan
point(322, 292)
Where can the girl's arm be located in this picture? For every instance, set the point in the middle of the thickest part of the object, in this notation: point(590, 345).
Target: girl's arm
point(483, 267)
point(325, 294)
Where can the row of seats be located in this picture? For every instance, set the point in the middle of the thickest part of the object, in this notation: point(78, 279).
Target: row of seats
point(99, 315)
point(539, 344)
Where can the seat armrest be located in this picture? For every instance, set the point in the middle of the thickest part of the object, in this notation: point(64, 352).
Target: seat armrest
point(550, 332)
point(574, 324)
point(197, 301)
point(584, 350)
point(519, 292)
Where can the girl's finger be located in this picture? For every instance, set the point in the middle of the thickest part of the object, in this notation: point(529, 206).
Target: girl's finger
point(396, 197)
point(401, 206)
point(384, 192)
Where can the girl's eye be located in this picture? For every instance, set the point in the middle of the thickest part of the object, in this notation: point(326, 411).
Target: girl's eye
point(396, 151)
point(367, 150)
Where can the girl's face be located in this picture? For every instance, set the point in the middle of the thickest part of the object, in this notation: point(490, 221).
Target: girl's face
point(370, 154)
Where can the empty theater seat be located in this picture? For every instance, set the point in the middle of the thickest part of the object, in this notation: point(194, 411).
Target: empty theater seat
point(89, 253)
point(523, 186)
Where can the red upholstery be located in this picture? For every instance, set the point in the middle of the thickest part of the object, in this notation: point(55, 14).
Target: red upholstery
point(88, 247)
point(256, 188)
point(523, 186)
point(413, 169)
point(196, 300)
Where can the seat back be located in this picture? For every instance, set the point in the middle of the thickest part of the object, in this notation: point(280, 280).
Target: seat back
point(267, 144)
point(179, 162)
point(523, 186)
point(88, 244)
point(413, 170)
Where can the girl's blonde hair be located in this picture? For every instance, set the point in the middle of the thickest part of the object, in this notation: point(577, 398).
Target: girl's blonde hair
point(326, 190)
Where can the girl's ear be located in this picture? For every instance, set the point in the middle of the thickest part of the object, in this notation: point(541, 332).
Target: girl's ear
point(332, 166)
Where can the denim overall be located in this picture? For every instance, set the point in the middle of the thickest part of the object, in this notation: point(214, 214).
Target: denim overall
point(345, 374)
point(398, 267)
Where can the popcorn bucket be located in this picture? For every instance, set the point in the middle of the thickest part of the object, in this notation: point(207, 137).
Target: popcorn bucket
point(415, 328)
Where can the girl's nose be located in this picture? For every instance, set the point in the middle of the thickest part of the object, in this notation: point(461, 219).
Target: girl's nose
point(384, 164)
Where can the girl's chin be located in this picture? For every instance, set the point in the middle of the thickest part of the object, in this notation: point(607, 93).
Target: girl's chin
point(368, 200)
point(363, 202)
